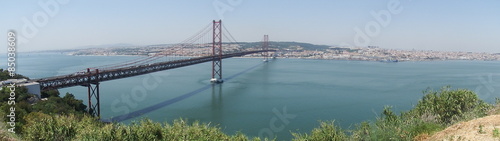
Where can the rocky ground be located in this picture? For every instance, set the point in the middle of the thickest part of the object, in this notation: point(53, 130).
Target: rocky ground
point(481, 129)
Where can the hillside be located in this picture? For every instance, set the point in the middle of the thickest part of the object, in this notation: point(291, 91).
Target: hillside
point(286, 45)
point(480, 129)
point(194, 49)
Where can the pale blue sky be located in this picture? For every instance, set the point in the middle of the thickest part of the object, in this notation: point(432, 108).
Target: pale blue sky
point(452, 25)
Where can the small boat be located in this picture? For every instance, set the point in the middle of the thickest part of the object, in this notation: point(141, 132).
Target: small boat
point(390, 61)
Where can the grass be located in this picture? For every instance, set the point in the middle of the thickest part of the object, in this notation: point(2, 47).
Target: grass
point(481, 131)
point(496, 133)
point(327, 131)
point(86, 128)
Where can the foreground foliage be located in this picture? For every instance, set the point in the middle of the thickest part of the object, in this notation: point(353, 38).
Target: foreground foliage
point(26, 103)
point(45, 127)
point(327, 131)
point(449, 106)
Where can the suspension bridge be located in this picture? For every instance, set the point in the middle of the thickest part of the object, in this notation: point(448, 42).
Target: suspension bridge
point(92, 77)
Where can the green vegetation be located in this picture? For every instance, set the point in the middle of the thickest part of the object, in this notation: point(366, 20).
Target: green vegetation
point(496, 133)
point(496, 109)
point(45, 127)
point(40, 126)
point(26, 103)
point(327, 131)
point(449, 106)
point(64, 118)
point(4, 75)
point(481, 131)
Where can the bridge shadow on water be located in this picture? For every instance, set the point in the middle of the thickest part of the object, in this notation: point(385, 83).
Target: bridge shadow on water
point(216, 99)
point(216, 102)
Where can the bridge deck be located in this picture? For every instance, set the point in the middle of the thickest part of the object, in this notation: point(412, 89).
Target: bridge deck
point(112, 74)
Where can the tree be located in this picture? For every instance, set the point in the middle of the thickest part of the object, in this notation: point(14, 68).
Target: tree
point(76, 104)
point(50, 93)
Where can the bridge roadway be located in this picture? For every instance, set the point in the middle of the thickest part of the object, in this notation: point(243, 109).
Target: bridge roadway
point(71, 80)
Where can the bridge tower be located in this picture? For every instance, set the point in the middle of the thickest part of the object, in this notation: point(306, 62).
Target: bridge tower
point(217, 52)
point(93, 93)
point(265, 46)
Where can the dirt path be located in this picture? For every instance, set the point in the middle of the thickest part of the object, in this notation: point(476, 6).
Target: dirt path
point(481, 129)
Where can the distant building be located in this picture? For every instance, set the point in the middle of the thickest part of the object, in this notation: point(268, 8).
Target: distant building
point(33, 87)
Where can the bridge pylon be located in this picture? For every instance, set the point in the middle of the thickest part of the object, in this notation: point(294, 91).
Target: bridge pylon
point(217, 52)
point(94, 109)
point(265, 46)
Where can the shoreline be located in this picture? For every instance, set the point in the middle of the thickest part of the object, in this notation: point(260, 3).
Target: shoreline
point(254, 57)
point(382, 61)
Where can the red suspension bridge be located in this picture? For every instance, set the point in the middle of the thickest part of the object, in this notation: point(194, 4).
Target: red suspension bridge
point(91, 77)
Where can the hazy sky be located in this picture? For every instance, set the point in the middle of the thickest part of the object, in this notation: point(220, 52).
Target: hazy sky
point(454, 25)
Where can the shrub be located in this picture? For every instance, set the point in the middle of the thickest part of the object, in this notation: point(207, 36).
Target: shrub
point(42, 126)
point(449, 106)
point(149, 130)
point(496, 109)
point(496, 133)
point(327, 131)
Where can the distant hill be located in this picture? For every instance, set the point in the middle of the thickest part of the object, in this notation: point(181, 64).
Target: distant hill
point(130, 48)
point(278, 45)
point(285, 45)
point(107, 46)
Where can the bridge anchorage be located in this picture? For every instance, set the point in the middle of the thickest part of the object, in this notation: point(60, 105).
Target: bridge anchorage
point(94, 76)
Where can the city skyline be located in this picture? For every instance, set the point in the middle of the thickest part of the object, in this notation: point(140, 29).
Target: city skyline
point(394, 24)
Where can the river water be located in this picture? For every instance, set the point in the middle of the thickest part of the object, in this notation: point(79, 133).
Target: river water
point(269, 99)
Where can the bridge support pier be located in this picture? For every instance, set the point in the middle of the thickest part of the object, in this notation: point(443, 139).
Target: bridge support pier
point(93, 94)
point(217, 52)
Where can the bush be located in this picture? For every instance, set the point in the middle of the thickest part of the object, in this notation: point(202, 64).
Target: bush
point(496, 109)
point(327, 131)
point(449, 106)
point(4, 75)
point(49, 93)
point(42, 126)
